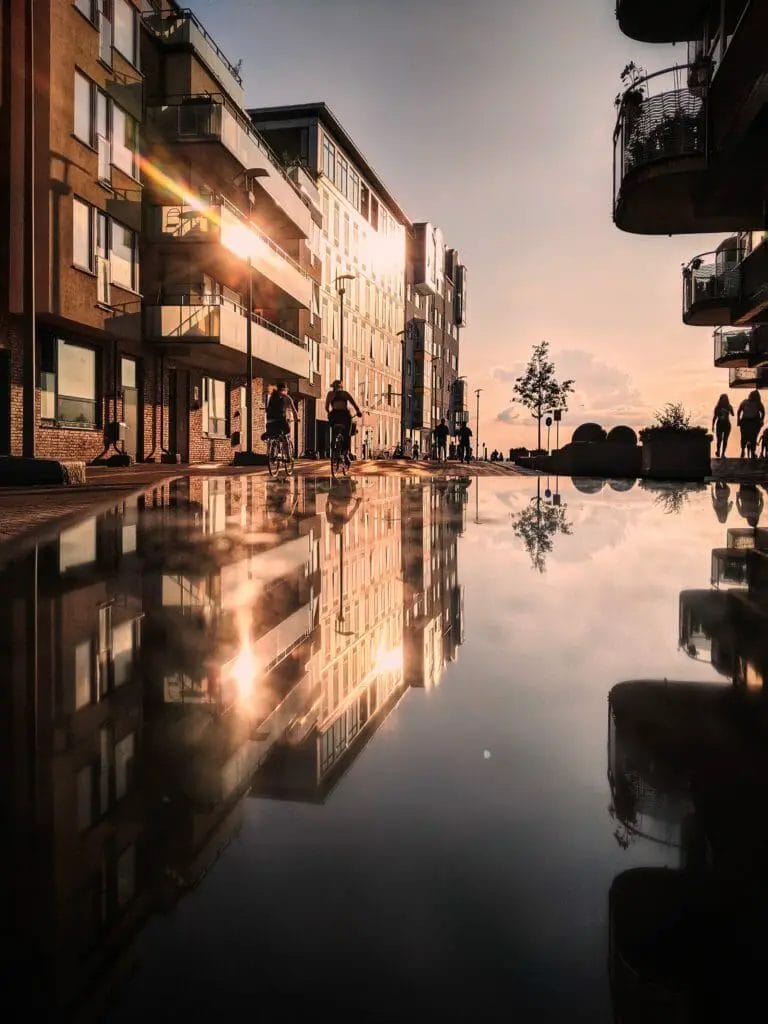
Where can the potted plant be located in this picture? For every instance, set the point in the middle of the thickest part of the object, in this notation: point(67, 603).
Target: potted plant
point(673, 449)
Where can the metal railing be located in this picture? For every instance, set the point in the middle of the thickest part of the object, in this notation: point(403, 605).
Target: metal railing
point(732, 344)
point(190, 301)
point(210, 127)
point(160, 23)
point(748, 377)
point(217, 199)
point(668, 124)
point(712, 275)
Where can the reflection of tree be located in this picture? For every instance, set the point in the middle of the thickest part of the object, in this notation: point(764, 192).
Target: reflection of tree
point(672, 498)
point(537, 526)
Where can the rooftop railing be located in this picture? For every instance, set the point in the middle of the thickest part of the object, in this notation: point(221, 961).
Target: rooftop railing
point(712, 275)
point(669, 123)
point(169, 24)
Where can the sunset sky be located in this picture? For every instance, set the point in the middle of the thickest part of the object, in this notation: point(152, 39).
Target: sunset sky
point(494, 120)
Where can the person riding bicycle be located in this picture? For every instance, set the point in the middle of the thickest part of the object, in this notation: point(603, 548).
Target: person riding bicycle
point(337, 403)
point(279, 405)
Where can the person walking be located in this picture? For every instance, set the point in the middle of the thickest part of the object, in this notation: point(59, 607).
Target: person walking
point(721, 424)
point(441, 441)
point(465, 440)
point(749, 418)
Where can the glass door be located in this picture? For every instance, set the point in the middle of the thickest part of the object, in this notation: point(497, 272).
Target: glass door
point(129, 385)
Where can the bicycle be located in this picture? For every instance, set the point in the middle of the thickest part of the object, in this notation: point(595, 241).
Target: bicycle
point(280, 457)
point(339, 453)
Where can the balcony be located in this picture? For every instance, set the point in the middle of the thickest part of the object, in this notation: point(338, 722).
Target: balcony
point(659, 21)
point(712, 285)
point(200, 121)
point(215, 222)
point(748, 377)
point(215, 329)
point(741, 347)
point(659, 150)
point(180, 29)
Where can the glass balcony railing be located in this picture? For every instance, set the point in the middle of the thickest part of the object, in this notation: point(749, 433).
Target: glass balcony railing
point(748, 377)
point(732, 346)
point(181, 26)
point(658, 126)
point(712, 275)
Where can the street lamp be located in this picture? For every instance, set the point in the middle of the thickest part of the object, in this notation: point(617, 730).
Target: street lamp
point(477, 424)
point(339, 282)
point(248, 457)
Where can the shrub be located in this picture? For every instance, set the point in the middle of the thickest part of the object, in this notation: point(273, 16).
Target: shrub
point(672, 419)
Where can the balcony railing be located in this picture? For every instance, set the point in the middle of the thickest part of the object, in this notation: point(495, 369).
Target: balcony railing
point(657, 127)
point(182, 26)
point(217, 216)
point(712, 275)
point(213, 316)
point(748, 377)
point(741, 347)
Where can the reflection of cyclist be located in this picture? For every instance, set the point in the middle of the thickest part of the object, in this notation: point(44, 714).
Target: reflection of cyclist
point(337, 403)
point(279, 405)
point(342, 504)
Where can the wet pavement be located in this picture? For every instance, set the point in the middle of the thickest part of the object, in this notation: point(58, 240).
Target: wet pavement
point(467, 748)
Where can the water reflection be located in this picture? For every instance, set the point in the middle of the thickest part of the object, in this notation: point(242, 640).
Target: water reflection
point(205, 641)
point(688, 770)
point(539, 522)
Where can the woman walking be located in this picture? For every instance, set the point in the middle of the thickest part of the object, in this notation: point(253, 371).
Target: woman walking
point(721, 424)
point(750, 419)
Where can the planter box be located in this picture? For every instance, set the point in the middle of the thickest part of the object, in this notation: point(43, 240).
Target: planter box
point(677, 456)
point(598, 458)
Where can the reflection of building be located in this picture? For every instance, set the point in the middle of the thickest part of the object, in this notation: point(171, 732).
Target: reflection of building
point(209, 638)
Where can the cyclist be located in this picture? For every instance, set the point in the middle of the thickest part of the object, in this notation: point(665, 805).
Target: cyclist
point(279, 405)
point(337, 403)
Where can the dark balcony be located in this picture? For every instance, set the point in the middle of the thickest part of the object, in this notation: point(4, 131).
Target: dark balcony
point(659, 150)
point(748, 377)
point(741, 346)
point(659, 21)
point(712, 285)
point(210, 132)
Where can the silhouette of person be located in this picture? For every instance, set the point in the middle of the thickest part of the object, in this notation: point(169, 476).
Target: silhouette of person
point(721, 500)
point(750, 418)
point(721, 424)
point(749, 504)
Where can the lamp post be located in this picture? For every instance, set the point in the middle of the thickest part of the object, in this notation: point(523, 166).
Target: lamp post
point(248, 457)
point(477, 424)
point(339, 282)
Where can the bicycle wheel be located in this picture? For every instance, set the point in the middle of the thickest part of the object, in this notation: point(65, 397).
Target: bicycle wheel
point(273, 457)
point(288, 456)
point(338, 458)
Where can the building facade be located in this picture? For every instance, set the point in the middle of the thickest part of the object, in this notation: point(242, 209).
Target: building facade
point(690, 157)
point(363, 243)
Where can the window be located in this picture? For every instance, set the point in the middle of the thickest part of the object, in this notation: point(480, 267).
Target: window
point(374, 218)
point(214, 407)
point(125, 886)
point(85, 797)
point(336, 223)
point(125, 34)
point(123, 646)
point(123, 141)
point(326, 219)
point(123, 257)
point(83, 675)
point(124, 755)
point(354, 188)
point(346, 233)
point(82, 235)
point(341, 174)
point(83, 110)
point(329, 158)
point(88, 8)
point(68, 383)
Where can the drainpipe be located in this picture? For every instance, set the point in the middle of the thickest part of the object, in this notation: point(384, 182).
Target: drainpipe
point(30, 312)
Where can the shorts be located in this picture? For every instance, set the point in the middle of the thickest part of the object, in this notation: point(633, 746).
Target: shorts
point(341, 418)
point(277, 428)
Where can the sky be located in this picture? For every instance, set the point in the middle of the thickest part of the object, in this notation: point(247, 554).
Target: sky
point(493, 119)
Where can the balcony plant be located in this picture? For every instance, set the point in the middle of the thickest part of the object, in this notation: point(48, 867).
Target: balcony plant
point(673, 449)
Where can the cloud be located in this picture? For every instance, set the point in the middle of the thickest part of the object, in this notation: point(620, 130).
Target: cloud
point(508, 375)
point(509, 416)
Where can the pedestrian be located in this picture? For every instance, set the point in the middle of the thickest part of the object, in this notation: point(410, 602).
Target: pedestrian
point(749, 418)
point(441, 440)
point(764, 444)
point(721, 424)
point(465, 435)
point(415, 450)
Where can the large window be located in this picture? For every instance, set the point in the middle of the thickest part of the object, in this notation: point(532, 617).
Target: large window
point(82, 235)
point(68, 383)
point(214, 407)
point(100, 123)
point(88, 8)
point(123, 257)
point(83, 126)
point(329, 158)
point(341, 174)
point(124, 146)
point(125, 37)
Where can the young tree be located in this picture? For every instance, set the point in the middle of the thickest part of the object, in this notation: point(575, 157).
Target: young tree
point(538, 389)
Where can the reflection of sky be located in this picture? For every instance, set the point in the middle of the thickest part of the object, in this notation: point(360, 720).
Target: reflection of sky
point(436, 876)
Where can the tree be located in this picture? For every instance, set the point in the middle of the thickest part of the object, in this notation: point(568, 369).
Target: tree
point(537, 525)
point(538, 389)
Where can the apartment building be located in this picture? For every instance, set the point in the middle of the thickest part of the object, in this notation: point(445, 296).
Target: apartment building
point(361, 250)
point(689, 156)
point(435, 312)
point(147, 231)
